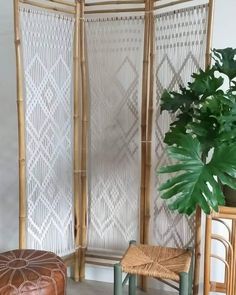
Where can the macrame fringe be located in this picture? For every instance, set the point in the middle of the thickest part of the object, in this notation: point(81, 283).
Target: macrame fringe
point(115, 51)
point(114, 18)
point(47, 41)
point(180, 51)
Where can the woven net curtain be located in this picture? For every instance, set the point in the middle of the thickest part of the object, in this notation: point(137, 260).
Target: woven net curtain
point(115, 54)
point(47, 41)
point(180, 50)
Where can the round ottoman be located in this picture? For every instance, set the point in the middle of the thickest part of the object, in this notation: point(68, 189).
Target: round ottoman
point(32, 272)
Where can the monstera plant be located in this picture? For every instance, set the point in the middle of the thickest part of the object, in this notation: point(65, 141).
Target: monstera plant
point(202, 140)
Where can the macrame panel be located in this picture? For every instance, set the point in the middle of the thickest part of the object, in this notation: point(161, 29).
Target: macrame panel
point(115, 53)
point(180, 51)
point(47, 40)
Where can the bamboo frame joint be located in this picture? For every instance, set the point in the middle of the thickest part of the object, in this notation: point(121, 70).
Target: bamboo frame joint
point(17, 42)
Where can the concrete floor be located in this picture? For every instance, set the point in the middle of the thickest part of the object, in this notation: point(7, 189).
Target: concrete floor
point(98, 288)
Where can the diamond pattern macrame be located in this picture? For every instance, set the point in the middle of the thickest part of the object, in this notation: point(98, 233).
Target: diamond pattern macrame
point(115, 66)
point(47, 41)
point(180, 50)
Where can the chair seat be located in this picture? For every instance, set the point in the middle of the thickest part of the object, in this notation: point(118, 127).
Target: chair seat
point(156, 261)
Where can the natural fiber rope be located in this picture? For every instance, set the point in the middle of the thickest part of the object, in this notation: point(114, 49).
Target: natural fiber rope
point(180, 51)
point(47, 42)
point(115, 53)
point(155, 261)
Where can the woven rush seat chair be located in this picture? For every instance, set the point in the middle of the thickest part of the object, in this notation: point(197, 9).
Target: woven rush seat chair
point(32, 272)
point(154, 261)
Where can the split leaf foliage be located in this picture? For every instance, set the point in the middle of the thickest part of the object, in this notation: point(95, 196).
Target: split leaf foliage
point(205, 127)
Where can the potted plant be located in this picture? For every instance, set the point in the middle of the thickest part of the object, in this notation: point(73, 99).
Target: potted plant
point(202, 140)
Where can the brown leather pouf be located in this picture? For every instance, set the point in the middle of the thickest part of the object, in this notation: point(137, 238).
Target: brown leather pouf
point(32, 272)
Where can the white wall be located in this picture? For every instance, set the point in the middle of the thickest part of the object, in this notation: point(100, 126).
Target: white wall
point(224, 24)
point(223, 36)
point(8, 132)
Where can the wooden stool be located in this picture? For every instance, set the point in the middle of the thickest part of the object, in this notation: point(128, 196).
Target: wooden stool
point(154, 261)
point(32, 272)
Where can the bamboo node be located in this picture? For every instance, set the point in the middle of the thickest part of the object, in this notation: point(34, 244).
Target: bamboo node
point(79, 171)
point(148, 216)
point(17, 42)
point(148, 165)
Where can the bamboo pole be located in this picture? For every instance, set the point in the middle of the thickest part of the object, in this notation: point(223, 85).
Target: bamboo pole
point(77, 137)
point(226, 210)
point(114, 11)
point(124, 2)
point(145, 79)
point(63, 3)
point(69, 259)
point(209, 32)
point(229, 259)
point(197, 252)
point(207, 255)
point(149, 120)
point(85, 106)
point(198, 213)
point(144, 203)
point(149, 125)
point(171, 4)
point(21, 130)
point(233, 259)
point(48, 7)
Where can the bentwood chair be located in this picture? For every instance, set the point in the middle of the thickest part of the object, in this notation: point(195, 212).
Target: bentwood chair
point(154, 261)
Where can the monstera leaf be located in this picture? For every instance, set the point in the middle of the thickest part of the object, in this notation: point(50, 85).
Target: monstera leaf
point(205, 83)
point(174, 101)
point(205, 121)
point(225, 61)
point(197, 183)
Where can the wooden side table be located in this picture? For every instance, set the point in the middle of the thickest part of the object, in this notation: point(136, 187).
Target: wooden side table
point(229, 285)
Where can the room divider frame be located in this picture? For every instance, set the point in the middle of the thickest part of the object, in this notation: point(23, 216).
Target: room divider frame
point(79, 10)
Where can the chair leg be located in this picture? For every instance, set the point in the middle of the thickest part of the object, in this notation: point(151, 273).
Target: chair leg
point(132, 284)
point(117, 279)
point(190, 279)
point(183, 285)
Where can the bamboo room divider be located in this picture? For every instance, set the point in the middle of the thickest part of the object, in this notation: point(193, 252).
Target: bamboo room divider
point(72, 29)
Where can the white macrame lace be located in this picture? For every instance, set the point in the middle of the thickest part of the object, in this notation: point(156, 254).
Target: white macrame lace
point(180, 51)
point(115, 54)
point(115, 59)
point(47, 40)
